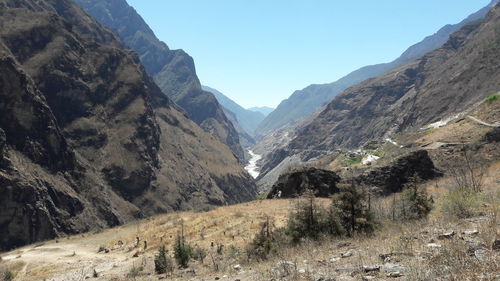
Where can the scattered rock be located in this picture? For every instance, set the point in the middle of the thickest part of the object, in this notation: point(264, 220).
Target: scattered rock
point(470, 232)
point(343, 244)
point(393, 267)
point(496, 245)
point(347, 254)
point(368, 278)
point(446, 235)
point(371, 268)
point(302, 271)
point(395, 274)
point(237, 267)
point(334, 259)
point(433, 245)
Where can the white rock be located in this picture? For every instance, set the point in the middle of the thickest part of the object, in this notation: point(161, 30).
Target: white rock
point(433, 245)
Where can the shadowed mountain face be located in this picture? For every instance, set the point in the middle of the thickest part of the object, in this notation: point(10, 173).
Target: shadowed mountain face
point(173, 70)
point(447, 81)
point(306, 101)
point(247, 119)
point(87, 139)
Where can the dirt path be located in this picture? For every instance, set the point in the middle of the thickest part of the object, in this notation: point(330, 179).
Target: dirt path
point(495, 125)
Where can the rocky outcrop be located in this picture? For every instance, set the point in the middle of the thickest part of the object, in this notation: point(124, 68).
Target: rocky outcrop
point(87, 139)
point(393, 177)
point(293, 184)
point(173, 70)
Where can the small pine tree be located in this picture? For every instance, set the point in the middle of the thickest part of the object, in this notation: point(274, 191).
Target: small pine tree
point(182, 251)
point(352, 210)
point(414, 203)
point(163, 263)
point(306, 220)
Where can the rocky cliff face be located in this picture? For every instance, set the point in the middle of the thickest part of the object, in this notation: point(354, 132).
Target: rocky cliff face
point(87, 139)
point(306, 101)
point(173, 70)
point(445, 82)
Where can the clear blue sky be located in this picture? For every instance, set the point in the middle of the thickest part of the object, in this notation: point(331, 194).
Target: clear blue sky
point(258, 52)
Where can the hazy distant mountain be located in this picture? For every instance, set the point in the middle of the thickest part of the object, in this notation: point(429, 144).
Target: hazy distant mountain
point(262, 109)
point(304, 102)
point(173, 70)
point(247, 119)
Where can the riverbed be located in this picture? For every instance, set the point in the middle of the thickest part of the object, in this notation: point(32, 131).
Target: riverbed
point(252, 168)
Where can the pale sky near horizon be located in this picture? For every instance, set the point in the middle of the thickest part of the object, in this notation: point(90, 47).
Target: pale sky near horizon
point(259, 52)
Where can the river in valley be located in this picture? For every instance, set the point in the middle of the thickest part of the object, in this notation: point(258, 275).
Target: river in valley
point(252, 168)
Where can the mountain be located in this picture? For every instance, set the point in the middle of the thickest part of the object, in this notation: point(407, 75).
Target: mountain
point(304, 102)
point(265, 110)
point(87, 139)
point(442, 85)
point(173, 70)
point(247, 119)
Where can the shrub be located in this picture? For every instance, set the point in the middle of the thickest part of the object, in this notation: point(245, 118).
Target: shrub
point(199, 254)
point(266, 242)
point(492, 98)
point(135, 271)
point(460, 203)
point(306, 220)
point(352, 210)
point(414, 202)
point(163, 263)
point(8, 276)
point(182, 251)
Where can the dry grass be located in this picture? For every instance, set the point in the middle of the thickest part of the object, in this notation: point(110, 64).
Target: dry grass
point(235, 226)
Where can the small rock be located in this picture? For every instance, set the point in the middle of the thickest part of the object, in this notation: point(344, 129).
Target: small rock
point(496, 245)
point(433, 245)
point(368, 278)
point(347, 254)
point(237, 267)
point(470, 232)
point(395, 274)
point(217, 278)
point(302, 271)
point(393, 267)
point(371, 268)
point(343, 244)
point(334, 259)
point(446, 235)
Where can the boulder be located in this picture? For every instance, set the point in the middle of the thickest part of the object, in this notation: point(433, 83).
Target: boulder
point(393, 177)
point(293, 184)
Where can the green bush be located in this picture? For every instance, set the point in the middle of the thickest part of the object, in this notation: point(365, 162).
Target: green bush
point(135, 271)
point(461, 203)
point(352, 210)
point(414, 203)
point(182, 252)
point(163, 263)
point(492, 98)
point(199, 254)
point(306, 221)
point(8, 276)
point(266, 242)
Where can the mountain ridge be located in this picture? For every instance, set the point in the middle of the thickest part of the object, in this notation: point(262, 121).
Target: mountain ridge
point(173, 70)
point(304, 102)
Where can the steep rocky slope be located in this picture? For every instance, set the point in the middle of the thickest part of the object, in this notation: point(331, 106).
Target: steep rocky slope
point(173, 70)
point(304, 102)
point(443, 83)
point(247, 119)
point(88, 140)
